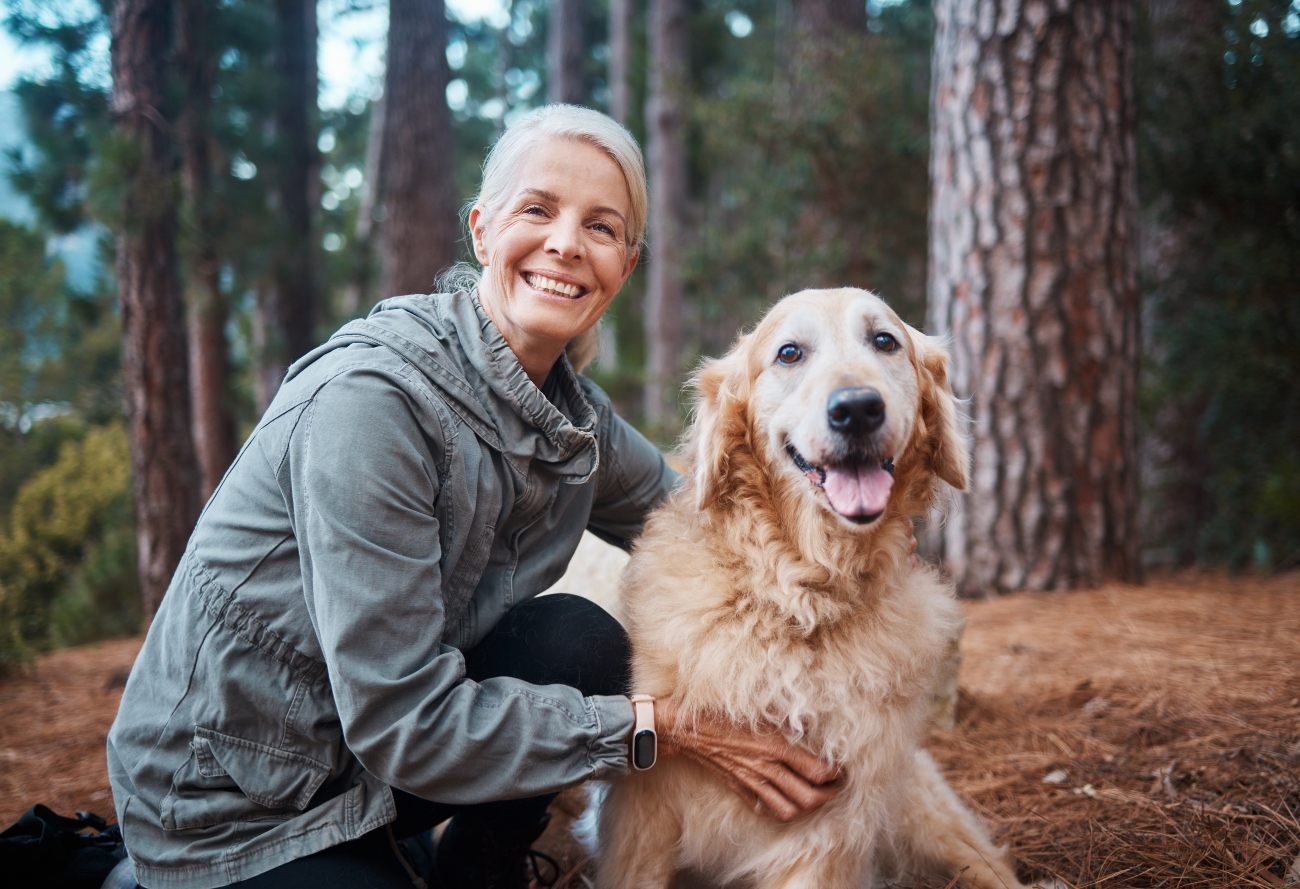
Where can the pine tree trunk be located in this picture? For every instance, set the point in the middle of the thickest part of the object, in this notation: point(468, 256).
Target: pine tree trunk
point(666, 157)
point(620, 39)
point(564, 52)
point(1033, 273)
point(154, 369)
point(294, 302)
point(420, 230)
point(214, 426)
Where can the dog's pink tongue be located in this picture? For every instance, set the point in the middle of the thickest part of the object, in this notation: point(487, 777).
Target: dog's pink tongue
point(858, 492)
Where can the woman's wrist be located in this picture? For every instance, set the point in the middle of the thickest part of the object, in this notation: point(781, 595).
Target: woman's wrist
point(644, 746)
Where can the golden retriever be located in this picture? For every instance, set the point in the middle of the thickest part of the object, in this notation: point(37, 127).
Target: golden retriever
point(775, 586)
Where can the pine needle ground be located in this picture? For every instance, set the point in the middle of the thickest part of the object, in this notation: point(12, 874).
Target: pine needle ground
point(1121, 737)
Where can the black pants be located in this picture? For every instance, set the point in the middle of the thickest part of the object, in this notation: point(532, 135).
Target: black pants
point(558, 639)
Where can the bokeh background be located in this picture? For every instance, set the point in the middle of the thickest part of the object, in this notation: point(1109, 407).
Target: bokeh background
point(195, 192)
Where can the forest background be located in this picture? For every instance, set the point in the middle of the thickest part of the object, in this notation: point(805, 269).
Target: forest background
point(800, 169)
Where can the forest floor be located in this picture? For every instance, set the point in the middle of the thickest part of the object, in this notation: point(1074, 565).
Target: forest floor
point(1121, 737)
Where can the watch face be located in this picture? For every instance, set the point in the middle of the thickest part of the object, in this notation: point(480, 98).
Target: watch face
point(643, 749)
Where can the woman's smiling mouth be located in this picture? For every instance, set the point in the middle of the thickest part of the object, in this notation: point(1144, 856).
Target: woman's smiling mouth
point(550, 285)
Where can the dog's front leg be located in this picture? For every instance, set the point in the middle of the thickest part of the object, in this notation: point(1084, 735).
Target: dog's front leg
point(938, 836)
point(640, 833)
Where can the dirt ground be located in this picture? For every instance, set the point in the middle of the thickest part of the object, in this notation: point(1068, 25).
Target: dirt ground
point(1122, 737)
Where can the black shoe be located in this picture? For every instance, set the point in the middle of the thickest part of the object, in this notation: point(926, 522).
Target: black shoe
point(475, 855)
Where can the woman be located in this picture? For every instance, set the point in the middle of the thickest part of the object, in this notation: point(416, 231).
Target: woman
point(350, 651)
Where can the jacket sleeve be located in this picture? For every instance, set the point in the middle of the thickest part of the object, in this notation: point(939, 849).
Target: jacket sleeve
point(364, 476)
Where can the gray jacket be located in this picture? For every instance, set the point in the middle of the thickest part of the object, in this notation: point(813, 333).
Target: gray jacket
point(407, 486)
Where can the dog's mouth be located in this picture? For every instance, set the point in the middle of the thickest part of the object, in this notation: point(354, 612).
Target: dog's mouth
point(858, 490)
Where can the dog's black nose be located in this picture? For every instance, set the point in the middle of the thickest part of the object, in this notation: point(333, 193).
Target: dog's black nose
point(855, 410)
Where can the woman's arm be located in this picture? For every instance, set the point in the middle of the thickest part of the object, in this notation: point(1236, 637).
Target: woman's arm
point(363, 476)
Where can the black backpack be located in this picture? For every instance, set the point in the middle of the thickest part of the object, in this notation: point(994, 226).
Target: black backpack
point(49, 851)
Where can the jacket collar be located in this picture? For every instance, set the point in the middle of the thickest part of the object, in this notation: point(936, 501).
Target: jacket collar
point(457, 347)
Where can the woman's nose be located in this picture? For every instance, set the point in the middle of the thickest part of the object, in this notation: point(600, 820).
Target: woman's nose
point(565, 239)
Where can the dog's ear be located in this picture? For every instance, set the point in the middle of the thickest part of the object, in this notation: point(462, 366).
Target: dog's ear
point(942, 440)
point(719, 431)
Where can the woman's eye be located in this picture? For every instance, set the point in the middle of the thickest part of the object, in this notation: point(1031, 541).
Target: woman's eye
point(789, 354)
point(604, 228)
point(534, 210)
point(885, 342)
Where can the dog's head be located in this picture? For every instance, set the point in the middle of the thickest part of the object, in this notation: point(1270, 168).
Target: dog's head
point(833, 399)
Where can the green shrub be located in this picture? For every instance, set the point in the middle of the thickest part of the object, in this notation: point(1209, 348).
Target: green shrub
point(67, 560)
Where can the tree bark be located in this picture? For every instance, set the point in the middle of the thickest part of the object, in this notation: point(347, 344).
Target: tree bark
point(214, 426)
point(620, 39)
point(564, 53)
point(294, 294)
point(420, 230)
point(1033, 257)
point(666, 157)
point(154, 368)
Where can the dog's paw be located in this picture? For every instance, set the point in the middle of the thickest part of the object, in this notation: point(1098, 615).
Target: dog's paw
point(586, 829)
point(1049, 883)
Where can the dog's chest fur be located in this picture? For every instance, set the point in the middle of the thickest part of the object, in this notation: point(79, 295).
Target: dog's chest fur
point(704, 635)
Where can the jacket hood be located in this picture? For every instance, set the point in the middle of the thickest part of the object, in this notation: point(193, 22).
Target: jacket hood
point(454, 344)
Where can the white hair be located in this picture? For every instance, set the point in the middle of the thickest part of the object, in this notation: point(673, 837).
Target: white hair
point(564, 122)
point(554, 122)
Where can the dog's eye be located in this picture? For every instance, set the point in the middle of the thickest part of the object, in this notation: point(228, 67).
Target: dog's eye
point(789, 354)
point(885, 342)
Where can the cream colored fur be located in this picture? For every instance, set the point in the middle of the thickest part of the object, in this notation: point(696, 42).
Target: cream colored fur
point(748, 596)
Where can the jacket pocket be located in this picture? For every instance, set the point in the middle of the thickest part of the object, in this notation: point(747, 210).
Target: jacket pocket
point(227, 779)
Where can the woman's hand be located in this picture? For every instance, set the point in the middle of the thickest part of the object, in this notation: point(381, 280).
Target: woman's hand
point(768, 773)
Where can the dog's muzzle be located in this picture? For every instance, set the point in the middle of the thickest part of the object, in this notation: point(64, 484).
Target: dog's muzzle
point(857, 490)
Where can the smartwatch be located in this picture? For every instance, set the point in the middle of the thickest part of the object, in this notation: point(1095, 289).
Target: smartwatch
point(645, 743)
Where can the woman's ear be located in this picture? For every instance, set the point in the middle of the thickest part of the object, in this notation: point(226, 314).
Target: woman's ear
point(720, 428)
point(943, 442)
point(478, 234)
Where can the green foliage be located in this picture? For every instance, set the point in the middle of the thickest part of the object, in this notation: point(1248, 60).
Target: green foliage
point(66, 114)
point(1220, 152)
point(67, 567)
point(813, 172)
point(806, 169)
point(59, 363)
point(30, 292)
point(63, 494)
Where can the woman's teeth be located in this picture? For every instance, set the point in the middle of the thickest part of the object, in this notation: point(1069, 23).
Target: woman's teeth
point(541, 282)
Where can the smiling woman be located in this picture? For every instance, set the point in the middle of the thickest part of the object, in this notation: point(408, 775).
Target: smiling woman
point(557, 252)
point(557, 226)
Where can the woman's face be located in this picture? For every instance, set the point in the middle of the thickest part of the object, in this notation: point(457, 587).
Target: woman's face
point(556, 252)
